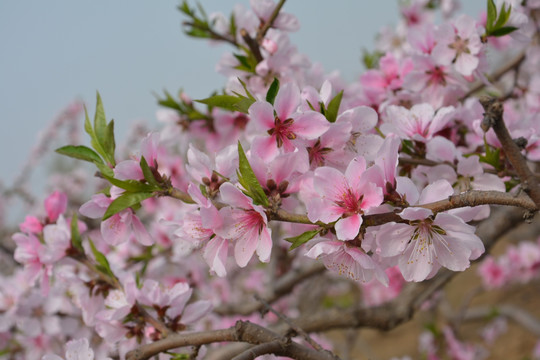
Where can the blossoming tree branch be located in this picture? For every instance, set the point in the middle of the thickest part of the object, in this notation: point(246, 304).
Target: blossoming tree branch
point(239, 229)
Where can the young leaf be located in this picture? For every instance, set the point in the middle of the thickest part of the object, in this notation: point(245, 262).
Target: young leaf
point(333, 107)
point(272, 91)
point(148, 175)
point(503, 31)
point(132, 186)
point(491, 15)
point(302, 238)
point(104, 169)
point(227, 102)
point(76, 240)
point(103, 263)
point(125, 201)
point(100, 122)
point(248, 180)
point(80, 152)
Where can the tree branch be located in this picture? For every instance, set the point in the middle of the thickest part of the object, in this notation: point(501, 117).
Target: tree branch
point(243, 331)
point(493, 117)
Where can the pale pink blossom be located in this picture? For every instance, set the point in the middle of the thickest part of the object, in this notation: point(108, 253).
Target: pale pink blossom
point(246, 225)
point(55, 205)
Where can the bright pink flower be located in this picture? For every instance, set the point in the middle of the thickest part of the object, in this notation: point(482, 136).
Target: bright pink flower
point(246, 225)
point(31, 225)
point(343, 196)
point(55, 205)
point(287, 125)
point(493, 274)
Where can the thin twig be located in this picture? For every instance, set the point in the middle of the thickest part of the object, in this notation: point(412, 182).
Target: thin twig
point(268, 24)
point(518, 315)
point(295, 328)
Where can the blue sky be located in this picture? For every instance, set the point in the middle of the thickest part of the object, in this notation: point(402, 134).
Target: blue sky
point(57, 50)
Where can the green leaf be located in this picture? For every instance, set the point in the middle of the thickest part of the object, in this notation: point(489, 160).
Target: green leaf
point(80, 152)
point(492, 156)
point(248, 180)
point(371, 60)
point(108, 142)
point(491, 15)
point(76, 240)
point(503, 31)
point(104, 169)
point(504, 15)
point(125, 201)
point(302, 238)
point(100, 122)
point(333, 107)
point(272, 91)
point(248, 94)
point(148, 175)
point(244, 104)
point(101, 260)
point(227, 102)
point(132, 186)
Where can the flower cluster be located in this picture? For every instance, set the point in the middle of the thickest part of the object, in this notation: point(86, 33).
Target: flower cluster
point(381, 180)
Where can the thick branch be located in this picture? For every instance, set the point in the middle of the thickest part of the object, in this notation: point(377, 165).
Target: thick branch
point(493, 117)
point(243, 331)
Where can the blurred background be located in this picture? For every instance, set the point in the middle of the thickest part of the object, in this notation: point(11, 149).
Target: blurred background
point(57, 51)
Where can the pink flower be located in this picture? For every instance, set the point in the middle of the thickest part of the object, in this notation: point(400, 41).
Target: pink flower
point(284, 21)
point(429, 242)
point(346, 259)
point(344, 197)
point(75, 350)
point(119, 227)
point(286, 126)
point(458, 44)
point(246, 225)
point(31, 225)
point(55, 205)
point(173, 301)
point(419, 123)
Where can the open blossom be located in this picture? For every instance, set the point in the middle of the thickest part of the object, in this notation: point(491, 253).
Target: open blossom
point(459, 44)
point(343, 196)
point(75, 350)
point(287, 125)
point(348, 260)
point(245, 224)
point(419, 123)
point(429, 241)
point(119, 227)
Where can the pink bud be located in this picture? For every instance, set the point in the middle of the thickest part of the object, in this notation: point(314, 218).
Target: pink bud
point(55, 205)
point(31, 225)
point(270, 46)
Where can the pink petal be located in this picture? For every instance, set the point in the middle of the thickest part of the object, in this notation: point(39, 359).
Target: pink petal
point(128, 169)
point(324, 248)
point(265, 147)
point(348, 228)
point(245, 248)
point(196, 311)
point(262, 115)
point(140, 232)
point(439, 190)
point(231, 195)
point(55, 205)
point(393, 238)
point(466, 64)
point(287, 100)
point(354, 172)
point(264, 248)
point(330, 182)
point(215, 255)
point(114, 230)
point(310, 125)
